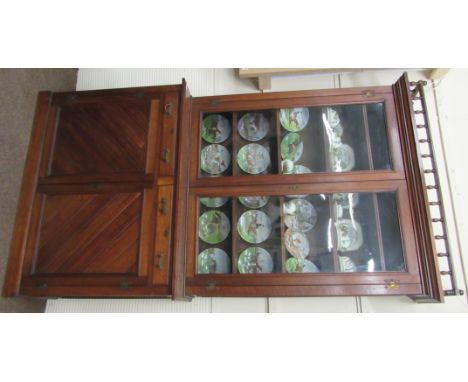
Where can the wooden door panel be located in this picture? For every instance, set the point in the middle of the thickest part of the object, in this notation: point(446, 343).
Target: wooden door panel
point(93, 233)
point(100, 138)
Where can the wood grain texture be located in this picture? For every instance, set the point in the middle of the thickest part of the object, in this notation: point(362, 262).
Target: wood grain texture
point(90, 234)
point(101, 138)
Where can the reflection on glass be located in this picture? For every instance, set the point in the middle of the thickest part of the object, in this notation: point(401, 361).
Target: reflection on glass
point(340, 232)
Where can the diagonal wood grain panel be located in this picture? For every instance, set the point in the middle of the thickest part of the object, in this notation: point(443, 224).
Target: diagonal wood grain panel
point(101, 138)
point(96, 233)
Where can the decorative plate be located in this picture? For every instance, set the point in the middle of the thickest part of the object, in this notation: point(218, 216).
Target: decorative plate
point(213, 227)
point(349, 235)
point(346, 264)
point(254, 201)
point(213, 260)
point(294, 265)
point(215, 128)
point(299, 215)
point(287, 166)
point(342, 158)
point(255, 260)
point(213, 202)
point(215, 159)
point(294, 119)
point(296, 244)
point(300, 169)
point(346, 200)
point(253, 158)
point(254, 226)
point(253, 126)
point(292, 147)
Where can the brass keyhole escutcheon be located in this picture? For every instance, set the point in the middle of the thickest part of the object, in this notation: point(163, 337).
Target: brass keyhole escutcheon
point(159, 261)
point(293, 187)
point(391, 284)
point(168, 108)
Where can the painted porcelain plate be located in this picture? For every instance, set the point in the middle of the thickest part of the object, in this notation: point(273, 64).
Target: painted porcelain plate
point(215, 128)
point(294, 265)
point(253, 126)
point(292, 147)
point(346, 264)
point(346, 200)
point(215, 159)
point(213, 202)
point(213, 260)
point(296, 244)
point(299, 215)
point(342, 158)
point(254, 201)
point(254, 226)
point(253, 158)
point(255, 260)
point(294, 120)
point(349, 235)
point(213, 227)
point(333, 118)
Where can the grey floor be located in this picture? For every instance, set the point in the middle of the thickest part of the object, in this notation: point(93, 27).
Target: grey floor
point(18, 92)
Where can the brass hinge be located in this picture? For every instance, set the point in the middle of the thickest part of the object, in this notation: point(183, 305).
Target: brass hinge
point(168, 108)
point(166, 156)
point(124, 285)
point(368, 93)
point(211, 285)
point(41, 285)
point(159, 261)
point(163, 206)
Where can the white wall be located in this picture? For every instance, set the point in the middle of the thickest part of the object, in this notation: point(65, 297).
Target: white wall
point(447, 95)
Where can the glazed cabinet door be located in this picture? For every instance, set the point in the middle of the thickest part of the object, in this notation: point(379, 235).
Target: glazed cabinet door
point(301, 194)
point(94, 191)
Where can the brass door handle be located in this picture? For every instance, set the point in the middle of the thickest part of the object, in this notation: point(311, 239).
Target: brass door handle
point(163, 206)
point(168, 108)
point(159, 261)
point(166, 156)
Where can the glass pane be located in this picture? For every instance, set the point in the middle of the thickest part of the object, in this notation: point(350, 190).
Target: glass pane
point(334, 139)
point(341, 232)
point(294, 141)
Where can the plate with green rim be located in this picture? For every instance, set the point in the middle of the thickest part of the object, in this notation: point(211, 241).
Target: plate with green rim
point(213, 227)
point(254, 226)
point(215, 159)
point(253, 158)
point(213, 260)
point(294, 265)
point(255, 260)
point(254, 201)
point(292, 147)
point(215, 128)
point(213, 202)
point(295, 119)
point(253, 126)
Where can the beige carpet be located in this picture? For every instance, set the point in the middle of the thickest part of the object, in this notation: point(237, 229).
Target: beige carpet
point(18, 91)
